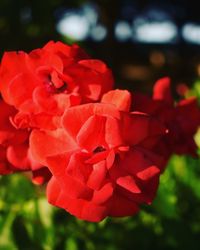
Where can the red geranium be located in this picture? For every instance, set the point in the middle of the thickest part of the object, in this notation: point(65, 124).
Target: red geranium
point(100, 158)
point(15, 155)
point(103, 160)
point(181, 118)
point(43, 83)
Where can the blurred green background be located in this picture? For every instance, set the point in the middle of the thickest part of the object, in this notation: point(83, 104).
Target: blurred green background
point(27, 221)
point(112, 32)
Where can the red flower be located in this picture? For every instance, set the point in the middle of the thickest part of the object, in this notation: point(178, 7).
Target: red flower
point(100, 158)
point(182, 118)
point(15, 155)
point(41, 84)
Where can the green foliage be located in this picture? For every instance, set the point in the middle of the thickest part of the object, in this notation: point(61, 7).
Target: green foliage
point(27, 221)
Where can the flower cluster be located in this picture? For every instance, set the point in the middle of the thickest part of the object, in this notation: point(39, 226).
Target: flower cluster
point(182, 119)
point(100, 150)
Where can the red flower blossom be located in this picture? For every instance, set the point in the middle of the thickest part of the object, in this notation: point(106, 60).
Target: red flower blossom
point(100, 158)
point(15, 155)
point(41, 84)
point(182, 118)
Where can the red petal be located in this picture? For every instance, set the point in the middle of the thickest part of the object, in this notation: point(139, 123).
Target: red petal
point(120, 206)
point(138, 127)
point(53, 191)
point(97, 157)
point(57, 164)
point(12, 64)
point(78, 115)
point(78, 168)
point(49, 143)
point(73, 187)
point(18, 156)
point(92, 133)
point(103, 195)
point(162, 91)
point(110, 159)
point(41, 176)
point(97, 79)
point(44, 100)
point(64, 50)
point(128, 183)
point(97, 176)
point(65, 101)
point(94, 64)
point(135, 128)
point(5, 166)
point(82, 209)
point(134, 161)
point(148, 173)
point(21, 88)
point(120, 98)
point(113, 132)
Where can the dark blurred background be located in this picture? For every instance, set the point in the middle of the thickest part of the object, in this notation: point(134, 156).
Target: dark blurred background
point(140, 40)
